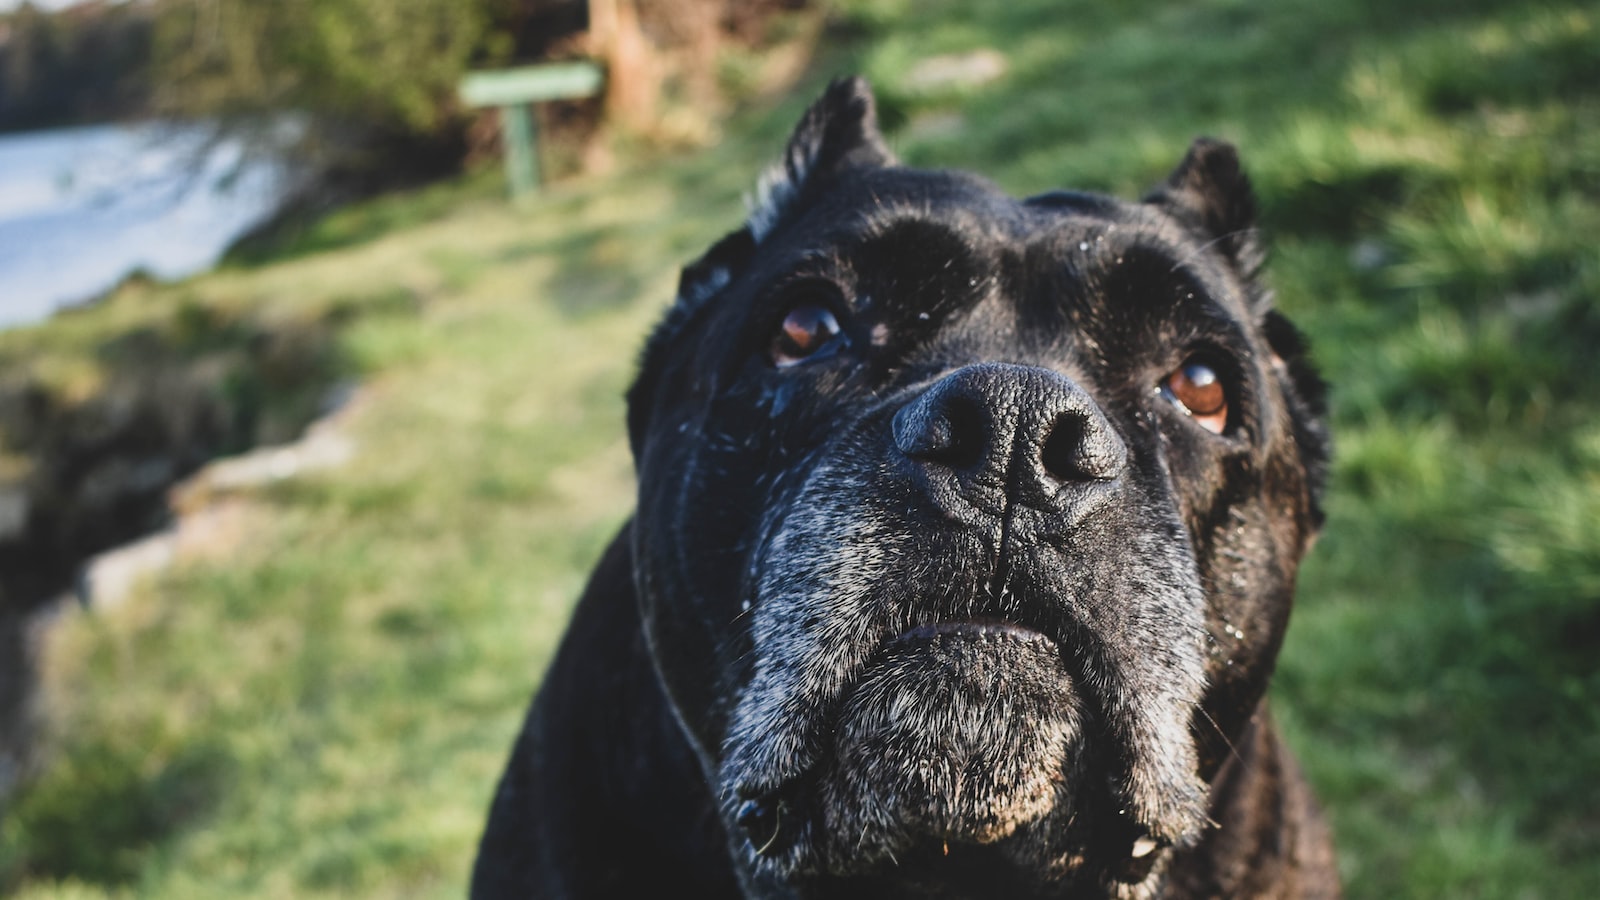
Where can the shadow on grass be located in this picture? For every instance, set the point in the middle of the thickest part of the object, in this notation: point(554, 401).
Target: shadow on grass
point(106, 809)
point(188, 385)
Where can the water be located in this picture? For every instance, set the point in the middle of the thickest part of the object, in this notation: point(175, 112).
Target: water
point(82, 208)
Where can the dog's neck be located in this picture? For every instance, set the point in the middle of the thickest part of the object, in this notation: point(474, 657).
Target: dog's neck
point(604, 792)
point(1269, 840)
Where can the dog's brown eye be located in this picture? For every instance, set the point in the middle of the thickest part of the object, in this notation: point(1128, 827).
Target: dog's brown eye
point(805, 331)
point(1198, 391)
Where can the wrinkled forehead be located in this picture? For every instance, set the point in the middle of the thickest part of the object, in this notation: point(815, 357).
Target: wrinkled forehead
point(865, 207)
point(931, 225)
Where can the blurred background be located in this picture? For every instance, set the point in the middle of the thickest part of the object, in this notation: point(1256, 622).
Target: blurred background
point(309, 434)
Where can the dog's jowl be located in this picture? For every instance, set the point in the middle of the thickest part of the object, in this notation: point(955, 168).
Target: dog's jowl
point(966, 539)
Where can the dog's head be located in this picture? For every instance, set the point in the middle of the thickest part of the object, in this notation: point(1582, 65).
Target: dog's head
point(967, 525)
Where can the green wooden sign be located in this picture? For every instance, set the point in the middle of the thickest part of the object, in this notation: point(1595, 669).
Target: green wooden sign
point(513, 90)
point(531, 84)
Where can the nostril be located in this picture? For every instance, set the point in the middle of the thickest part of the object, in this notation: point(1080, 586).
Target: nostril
point(1062, 448)
point(1079, 449)
point(950, 430)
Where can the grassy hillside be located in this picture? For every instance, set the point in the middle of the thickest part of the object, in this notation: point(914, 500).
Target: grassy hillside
point(320, 706)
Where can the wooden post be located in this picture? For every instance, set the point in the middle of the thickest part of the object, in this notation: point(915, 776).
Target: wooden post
point(520, 130)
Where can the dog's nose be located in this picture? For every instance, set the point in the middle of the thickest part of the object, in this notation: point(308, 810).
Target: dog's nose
point(995, 432)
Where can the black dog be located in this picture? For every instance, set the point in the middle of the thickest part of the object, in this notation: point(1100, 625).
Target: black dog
point(966, 540)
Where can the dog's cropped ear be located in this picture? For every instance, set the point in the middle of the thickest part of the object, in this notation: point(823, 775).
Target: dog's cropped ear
point(1210, 193)
point(839, 132)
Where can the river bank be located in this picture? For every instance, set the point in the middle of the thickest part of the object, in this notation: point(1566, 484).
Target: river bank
point(83, 208)
point(494, 371)
point(100, 423)
point(109, 407)
point(202, 519)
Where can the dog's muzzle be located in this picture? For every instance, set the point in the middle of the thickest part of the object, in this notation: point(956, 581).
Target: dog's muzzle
point(957, 590)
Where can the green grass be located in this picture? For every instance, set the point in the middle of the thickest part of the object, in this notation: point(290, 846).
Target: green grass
point(324, 710)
